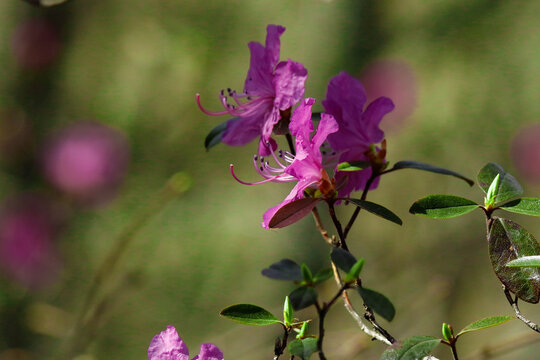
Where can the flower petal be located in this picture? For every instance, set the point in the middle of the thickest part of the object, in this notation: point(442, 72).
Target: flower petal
point(167, 345)
point(241, 131)
point(289, 84)
point(301, 124)
point(209, 352)
point(372, 117)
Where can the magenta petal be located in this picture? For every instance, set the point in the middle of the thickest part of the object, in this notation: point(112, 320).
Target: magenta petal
point(289, 82)
point(301, 124)
point(167, 345)
point(264, 147)
point(345, 98)
point(328, 125)
point(372, 117)
point(259, 76)
point(209, 352)
point(273, 33)
point(241, 131)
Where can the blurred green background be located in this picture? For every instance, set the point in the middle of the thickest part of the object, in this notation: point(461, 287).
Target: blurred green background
point(470, 69)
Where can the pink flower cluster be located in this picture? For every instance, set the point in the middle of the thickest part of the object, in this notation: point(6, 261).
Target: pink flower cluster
point(348, 132)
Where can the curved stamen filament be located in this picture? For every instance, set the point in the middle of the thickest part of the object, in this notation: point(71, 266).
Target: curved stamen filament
point(254, 183)
point(197, 97)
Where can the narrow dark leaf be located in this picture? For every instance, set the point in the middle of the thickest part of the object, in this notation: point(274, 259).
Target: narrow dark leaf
point(376, 209)
point(509, 187)
point(353, 165)
point(525, 206)
point(292, 212)
point(249, 314)
point(378, 303)
point(525, 261)
point(485, 323)
point(283, 270)
point(323, 275)
point(214, 136)
point(343, 259)
point(303, 297)
point(509, 241)
point(427, 167)
point(442, 206)
point(413, 348)
point(303, 348)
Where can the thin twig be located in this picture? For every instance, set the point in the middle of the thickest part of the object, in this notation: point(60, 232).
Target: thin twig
point(319, 225)
point(514, 303)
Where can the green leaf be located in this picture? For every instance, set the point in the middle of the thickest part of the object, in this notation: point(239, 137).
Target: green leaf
point(288, 312)
point(378, 303)
point(353, 165)
point(249, 314)
point(427, 167)
point(485, 323)
point(284, 269)
point(303, 297)
point(303, 330)
point(509, 187)
point(413, 348)
point(292, 212)
point(492, 192)
point(525, 206)
point(306, 274)
point(323, 275)
point(303, 348)
point(354, 273)
point(442, 206)
point(376, 209)
point(343, 259)
point(216, 134)
point(530, 261)
point(508, 241)
point(447, 332)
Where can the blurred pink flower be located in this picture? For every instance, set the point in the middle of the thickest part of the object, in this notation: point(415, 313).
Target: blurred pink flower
point(525, 152)
point(167, 345)
point(270, 88)
point(86, 160)
point(29, 225)
point(394, 79)
point(358, 127)
point(35, 43)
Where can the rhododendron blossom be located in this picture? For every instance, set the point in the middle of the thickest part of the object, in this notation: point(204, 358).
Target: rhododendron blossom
point(271, 87)
point(167, 345)
point(358, 127)
point(306, 166)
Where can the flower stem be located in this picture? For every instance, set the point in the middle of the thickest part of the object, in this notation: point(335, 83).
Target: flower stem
point(357, 210)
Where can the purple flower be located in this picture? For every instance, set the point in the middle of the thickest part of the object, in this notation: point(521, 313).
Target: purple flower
point(28, 228)
point(269, 89)
point(167, 345)
point(358, 128)
point(86, 160)
point(306, 166)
